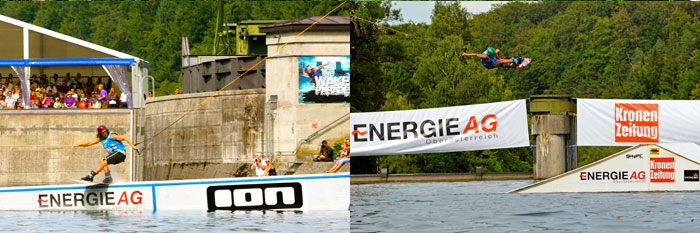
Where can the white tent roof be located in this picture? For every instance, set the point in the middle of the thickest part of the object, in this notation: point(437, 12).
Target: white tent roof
point(64, 37)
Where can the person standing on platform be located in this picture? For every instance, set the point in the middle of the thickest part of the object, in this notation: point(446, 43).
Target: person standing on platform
point(258, 165)
point(113, 144)
point(103, 98)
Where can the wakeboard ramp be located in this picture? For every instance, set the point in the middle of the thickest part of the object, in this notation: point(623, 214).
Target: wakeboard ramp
point(641, 168)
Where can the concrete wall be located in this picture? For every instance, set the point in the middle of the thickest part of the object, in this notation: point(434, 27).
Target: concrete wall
point(35, 145)
point(294, 121)
point(211, 140)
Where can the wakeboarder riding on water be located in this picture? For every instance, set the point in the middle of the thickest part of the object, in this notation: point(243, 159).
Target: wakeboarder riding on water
point(112, 142)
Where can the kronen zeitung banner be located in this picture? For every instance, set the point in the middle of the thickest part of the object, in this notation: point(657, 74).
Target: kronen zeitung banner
point(460, 128)
point(611, 122)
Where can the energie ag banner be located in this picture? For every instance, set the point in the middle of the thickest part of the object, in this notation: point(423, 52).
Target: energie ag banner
point(610, 122)
point(461, 128)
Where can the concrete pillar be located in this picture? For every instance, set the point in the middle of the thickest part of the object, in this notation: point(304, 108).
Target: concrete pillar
point(298, 128)
point(553, 126)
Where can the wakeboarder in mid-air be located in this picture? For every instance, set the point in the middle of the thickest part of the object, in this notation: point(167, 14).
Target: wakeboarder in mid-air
point(491, 58)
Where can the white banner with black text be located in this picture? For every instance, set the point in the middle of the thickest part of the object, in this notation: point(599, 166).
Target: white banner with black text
point(460, 128)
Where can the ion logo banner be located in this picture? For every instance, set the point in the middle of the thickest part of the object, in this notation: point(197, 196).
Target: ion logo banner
point(255, 197)
point(608, 122)
point(662, 170)
point(324, 79)
point(461, 128)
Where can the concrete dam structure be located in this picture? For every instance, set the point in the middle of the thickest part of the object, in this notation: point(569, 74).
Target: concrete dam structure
point(215, 140)
point(36, 144)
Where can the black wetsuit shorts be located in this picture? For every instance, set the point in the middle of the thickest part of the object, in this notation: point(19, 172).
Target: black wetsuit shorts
point(115, 158)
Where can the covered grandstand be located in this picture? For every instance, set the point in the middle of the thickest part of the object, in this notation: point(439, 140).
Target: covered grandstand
point(29, 52)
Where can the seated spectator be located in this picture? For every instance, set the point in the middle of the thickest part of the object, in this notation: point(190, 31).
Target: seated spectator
point(83, 103)
point(89, 85)
point(44, 80)
point(45, 102)
point(326, 153)
point(52, 89)
point(69, 101)
point(35, 103)
point(150, 94)
point(79, 92)
point(86, 99)
point(343, 158)
point(123, 100)
point(112, 98)
point(32, 82)
point(258, 165)
point(269, 169)
point(63, 88)
point(54, 79)
point(20, 100)
point(57, 103)
point(94, 101)
point(73, 94)
point(76, 83)
point(177, 91)
point(10, 100)
point(2, 102)
point(68, 80)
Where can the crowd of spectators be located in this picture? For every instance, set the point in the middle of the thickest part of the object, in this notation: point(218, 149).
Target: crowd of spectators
point(61, 92)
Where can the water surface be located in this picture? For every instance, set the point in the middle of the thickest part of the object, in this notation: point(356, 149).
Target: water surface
point(100, 221)
point(483, 206)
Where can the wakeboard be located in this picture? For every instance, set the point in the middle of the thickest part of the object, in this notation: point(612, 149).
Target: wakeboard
point(522, 62)
point(90, 182)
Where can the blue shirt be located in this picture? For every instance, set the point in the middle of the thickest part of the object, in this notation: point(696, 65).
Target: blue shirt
point(112, 145)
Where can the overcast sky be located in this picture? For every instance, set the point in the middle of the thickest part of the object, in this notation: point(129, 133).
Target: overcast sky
point(419, 11)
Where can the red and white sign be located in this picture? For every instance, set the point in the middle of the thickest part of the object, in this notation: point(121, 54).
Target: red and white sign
point(461, 128)
point(636, 122)
point(662, 170)
point(609, 122)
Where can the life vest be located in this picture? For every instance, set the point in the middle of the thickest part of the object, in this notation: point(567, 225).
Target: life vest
point(489, 62)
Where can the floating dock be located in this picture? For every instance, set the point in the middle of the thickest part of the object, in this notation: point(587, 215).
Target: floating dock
point(641, 168)
point(295, 192)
